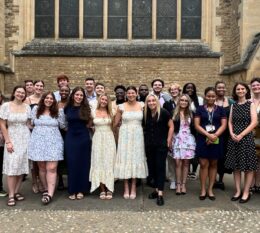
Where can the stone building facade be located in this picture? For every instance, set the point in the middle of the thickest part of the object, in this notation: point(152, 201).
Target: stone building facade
point(129, 41)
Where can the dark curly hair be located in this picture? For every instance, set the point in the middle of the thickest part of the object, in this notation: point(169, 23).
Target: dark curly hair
point(53, 109)
point(84, 112)
point(234, 94)
point(14, 90)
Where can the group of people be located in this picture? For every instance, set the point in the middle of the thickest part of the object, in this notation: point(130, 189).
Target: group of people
point(140, 135)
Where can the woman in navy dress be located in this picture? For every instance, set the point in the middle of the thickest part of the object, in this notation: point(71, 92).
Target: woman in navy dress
point(210, 122)
point(78, 144)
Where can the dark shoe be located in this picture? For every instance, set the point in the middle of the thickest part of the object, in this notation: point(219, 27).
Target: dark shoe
point(202, 198)
point(178, 193)
point(183, 193)
point(242, 201)
point(257, 189)
point(153, 195)
point(160, 201)
point(236, 198)
point(212, 198)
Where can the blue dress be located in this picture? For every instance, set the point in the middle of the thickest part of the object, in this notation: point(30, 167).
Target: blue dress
point(46, 143)
point(77, 148)
point(211, 151)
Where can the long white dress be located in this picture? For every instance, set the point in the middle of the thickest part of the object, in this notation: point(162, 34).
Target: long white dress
point(16, 163)
point(130, 158)
point(102, 154)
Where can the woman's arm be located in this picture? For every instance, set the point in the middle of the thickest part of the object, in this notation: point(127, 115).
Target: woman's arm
point(252, 124)
point(202, 131)
point(170, 134)
point(230, 124)
point(222, 127)
point(117, 118)
point(9, 145)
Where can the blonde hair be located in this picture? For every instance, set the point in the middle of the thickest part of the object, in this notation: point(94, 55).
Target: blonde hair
point(175, 85)
point(109, 105)
point(158, 106)
point(187, 111)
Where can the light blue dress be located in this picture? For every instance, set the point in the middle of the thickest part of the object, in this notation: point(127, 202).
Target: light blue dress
point(46, 143)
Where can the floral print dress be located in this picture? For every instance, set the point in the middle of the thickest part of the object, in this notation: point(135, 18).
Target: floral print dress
point(184, 142)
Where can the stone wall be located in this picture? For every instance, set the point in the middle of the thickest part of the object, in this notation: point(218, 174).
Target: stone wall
point(2, 32)
point(229, 30)
point(113, 71)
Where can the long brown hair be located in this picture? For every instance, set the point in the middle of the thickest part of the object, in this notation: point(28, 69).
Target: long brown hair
point(85, 111)
point(53, 109)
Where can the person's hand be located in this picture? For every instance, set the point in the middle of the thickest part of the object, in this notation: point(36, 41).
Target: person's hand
point(238, 137)
point(212, 137)
point(9, 147)
point(169, 144)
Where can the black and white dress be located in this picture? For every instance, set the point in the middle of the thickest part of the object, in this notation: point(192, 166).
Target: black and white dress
point(241, 155)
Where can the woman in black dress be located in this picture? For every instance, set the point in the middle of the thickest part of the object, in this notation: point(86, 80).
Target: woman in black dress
point(78, 143)
point(241, 155)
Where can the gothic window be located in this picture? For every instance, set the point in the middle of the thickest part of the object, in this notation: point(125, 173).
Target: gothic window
point(69, 19)
point(142, 19)
point(44, 18)
point(117, 19)
point(93, 19)
point(191, 19)
point(166, 19)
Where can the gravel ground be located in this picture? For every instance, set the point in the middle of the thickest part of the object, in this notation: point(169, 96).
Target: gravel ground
point(128, 221)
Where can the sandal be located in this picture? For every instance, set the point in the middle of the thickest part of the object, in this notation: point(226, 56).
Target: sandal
point(109, 195)
point(45, 192)
point(46, 199)
point(72, 197)
point(80, 196)
point(11, 201)
point(18, 197)
point(102, 196)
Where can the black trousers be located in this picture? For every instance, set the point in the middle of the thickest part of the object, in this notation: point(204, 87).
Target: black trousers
point(156, 161)
point(1, 166)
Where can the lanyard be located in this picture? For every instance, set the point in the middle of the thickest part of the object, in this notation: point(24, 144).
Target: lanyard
point(210, 116)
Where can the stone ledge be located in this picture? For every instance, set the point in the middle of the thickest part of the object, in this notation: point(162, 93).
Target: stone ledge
point(5, 69)
point(115, 48)
point(243, 65)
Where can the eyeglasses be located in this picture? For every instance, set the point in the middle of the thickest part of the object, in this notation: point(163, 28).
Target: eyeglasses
point(182, 100)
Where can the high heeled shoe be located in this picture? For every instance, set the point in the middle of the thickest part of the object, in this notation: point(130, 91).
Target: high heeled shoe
point(234, 198)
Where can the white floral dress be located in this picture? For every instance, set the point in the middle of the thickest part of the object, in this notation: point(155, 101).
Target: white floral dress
point(103, 154)
point(130, 158)
point(16, 163)
point(184, 143)
point(46, 143)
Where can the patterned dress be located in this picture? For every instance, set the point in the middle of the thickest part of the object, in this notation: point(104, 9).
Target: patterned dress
point(130, 158)
point(46, 143)
point(184, 142)
point(16, 163)
point(103, 154)
point(241, 155)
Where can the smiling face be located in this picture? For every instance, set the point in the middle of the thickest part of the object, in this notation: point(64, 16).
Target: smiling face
point(100, 90)
point(90, 85)
point(38, 88)
point(157, 87)
point(190, 89)
point(120, 94)
point(184, 102)
point(175, 91)
point(48, 101)
point(19, 94)
point(210, 97)
point(103, 101)
point(255, 86)
point(64, 92)
point(152, 103)
point(29, 87)
point(78, 98)
point(241, 91)
point(131, 95)
point(221, 89)
point(63, 82)
point(143, 91)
